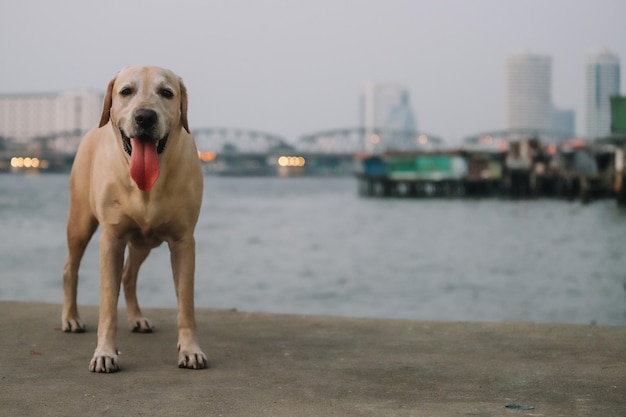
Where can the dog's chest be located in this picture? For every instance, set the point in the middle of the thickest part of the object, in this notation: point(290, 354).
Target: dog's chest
point(145, 230)
point(149, 220)
point(146, 222)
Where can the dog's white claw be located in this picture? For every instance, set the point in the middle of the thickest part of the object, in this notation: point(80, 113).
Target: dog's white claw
point(104, 364)
point(141, 326)
point(72, 326)
point(192, 360)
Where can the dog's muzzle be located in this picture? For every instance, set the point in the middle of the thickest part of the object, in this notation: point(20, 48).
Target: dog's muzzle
point(128, 148)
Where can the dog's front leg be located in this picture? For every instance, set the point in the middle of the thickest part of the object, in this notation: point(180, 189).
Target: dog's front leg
point(183, 257)
point(111, 263)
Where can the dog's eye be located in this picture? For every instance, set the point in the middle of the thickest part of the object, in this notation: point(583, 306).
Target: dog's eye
point(166, 93)
point(126, 91)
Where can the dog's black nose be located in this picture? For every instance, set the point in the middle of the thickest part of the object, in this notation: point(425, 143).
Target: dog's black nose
point(145, 117)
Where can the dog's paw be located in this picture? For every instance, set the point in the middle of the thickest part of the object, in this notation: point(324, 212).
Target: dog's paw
point(102, 363)
point(140, 325)
point(72, 325)
point(192, 358)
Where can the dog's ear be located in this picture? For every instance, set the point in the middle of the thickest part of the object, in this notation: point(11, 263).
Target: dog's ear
point(108, 102)
point(183, 105)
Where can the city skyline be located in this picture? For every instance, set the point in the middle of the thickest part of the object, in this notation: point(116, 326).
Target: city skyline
point(381, 105)
point(297, 68)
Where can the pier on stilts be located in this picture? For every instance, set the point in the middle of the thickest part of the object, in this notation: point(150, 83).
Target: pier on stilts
point(489, 167)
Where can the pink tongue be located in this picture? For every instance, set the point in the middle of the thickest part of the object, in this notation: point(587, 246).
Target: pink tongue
point(144, 164)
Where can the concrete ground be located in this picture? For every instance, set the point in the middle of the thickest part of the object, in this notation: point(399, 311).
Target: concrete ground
point(288, 365)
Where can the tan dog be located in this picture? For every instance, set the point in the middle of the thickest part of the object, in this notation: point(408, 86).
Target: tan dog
point(137, 176)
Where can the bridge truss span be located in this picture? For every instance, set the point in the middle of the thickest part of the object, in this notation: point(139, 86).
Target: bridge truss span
point(230, 140)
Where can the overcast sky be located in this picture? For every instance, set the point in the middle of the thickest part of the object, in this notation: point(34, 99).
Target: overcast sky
point(296, 67)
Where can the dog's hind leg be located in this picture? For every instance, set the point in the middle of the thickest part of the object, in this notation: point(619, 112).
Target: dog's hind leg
point(136, 321)
point(81, 226)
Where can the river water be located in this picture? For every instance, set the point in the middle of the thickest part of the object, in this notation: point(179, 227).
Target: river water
point(314, 246)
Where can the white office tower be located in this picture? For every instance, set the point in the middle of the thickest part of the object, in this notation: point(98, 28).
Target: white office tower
point(529, 92)
point(386, 107)
point(25, 118)
point(603, 81)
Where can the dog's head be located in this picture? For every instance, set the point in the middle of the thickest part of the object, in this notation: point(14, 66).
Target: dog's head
point(145, 106)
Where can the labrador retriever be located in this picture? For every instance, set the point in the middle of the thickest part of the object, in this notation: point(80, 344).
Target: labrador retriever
point(138, 177)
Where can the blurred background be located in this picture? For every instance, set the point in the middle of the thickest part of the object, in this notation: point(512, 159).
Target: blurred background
point(423, 160)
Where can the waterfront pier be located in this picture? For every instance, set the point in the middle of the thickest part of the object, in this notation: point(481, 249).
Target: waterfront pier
point(520, 167)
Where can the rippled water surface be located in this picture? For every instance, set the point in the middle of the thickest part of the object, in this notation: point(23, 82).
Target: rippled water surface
point(312, 245)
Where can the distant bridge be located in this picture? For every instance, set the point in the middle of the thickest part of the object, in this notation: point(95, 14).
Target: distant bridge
point(231, 140)
point(352, 140)
point(238, 151)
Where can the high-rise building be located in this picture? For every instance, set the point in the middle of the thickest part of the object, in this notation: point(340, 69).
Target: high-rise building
point(529, 92)
point(386, 107)
point(603, 81)
point(25, 117)
point(564, 122)
point(401, 117)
